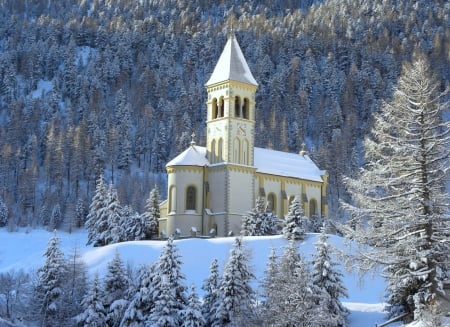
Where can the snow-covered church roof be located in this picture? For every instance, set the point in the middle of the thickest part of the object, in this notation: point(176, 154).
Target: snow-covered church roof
point(232, 65)
point(192, 156)
point(266, 162)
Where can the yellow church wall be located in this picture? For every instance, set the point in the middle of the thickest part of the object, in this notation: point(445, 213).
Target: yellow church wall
point(178, 215)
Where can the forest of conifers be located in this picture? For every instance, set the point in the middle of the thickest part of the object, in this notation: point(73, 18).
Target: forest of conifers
point(91, 87)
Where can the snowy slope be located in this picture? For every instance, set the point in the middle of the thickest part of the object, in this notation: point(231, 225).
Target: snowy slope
point(22, 250)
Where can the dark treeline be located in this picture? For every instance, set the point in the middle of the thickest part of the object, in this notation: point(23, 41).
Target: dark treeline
point(117, 87)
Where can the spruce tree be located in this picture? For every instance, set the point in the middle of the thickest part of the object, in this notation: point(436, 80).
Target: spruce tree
point(94, 314)
point(141, 303)
point(49, 290)
point(294, 227)
point(115, 291)
point(236, 296)
point(192, 315)
point(150, 218)
point(211, 288)
point(168, 274)
point(97, 219)
point(329, 280)
point(258, 221)
point(399, 197)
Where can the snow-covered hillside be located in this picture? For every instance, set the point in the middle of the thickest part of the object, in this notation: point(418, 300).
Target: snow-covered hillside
point(24, 250)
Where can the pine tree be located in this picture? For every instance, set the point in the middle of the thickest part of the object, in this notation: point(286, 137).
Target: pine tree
point(329, 280)
point(291, 298)
point(236, 296)
point(113, 233)
point(49, 290)
point(211, 288)
point(258, 221)
point(3, 214)
point(96, 221)
point(267, 310)
point(168, 274)
point(141, 303)
point(115, 291)
point(55, 218)
point(151, 215)
point(294, 227)
point(192, 315)
point(94, 314)
point(401, 202)
point(166, 312)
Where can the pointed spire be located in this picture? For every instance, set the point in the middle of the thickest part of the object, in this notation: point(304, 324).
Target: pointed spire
point(232, 65)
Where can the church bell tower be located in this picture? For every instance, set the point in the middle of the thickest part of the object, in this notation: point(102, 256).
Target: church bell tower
point(231, 108)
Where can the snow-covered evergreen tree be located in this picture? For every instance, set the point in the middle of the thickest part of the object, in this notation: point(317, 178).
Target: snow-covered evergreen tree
point(141, 304)
point(329, 280)
point(115, 291)
point(55, 218)
point(94, 313)
point(151, 215)
point(166, 312)
point(168, 274)
point(97, 219)
point(114, 230)
point(192, 315)
point(211, 288)
point(295, 290)
point(268, 286)
point(295, 222)
point(133, 228)
point(258, 221)
point(49, 290)
point(400, 200)
point(3, 214)
point(234, 305)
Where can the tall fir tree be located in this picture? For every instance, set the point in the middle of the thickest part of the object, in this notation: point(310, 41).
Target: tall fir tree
point(211, 288)
point(150, 218)
point(295, 222)
point(400, 199)
point(49, 290)
point(234, 305)
point(259, 221)
point(115, 288)
point(329, 280)
point(192, 316)
point(168, 274)
point(141, 303)
point(94, 313)
point(97, 219)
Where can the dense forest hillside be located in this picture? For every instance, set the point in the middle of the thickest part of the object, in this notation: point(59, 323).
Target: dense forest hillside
point(95, 86)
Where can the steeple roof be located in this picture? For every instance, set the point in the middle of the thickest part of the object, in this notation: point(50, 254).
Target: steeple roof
point(232, 65)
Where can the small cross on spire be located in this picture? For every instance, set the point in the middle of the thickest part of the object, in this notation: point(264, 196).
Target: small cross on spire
point(192, 139)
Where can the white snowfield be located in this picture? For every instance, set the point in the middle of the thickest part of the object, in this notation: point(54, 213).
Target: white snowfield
point(24, 250)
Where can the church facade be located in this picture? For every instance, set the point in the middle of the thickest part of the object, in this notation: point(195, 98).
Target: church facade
point(213, 187)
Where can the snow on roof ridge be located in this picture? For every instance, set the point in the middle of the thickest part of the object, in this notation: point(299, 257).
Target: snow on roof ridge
point(232, 65)
point(267, 161)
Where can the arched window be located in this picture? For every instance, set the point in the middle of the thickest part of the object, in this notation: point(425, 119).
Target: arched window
point(245, 151)
point(214, 108)
point(221, 107)
point(237, 151)
point(237, 106)
point(271, 202)
point(213, 151)
point(172, 199)
point(219, 151)
point(191, 198)
point(246, 109)
point(312, 208)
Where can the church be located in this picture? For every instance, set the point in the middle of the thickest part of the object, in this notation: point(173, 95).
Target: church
point(210, 189)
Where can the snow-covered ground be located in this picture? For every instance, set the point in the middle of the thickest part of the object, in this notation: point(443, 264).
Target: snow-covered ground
point(24, 250)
